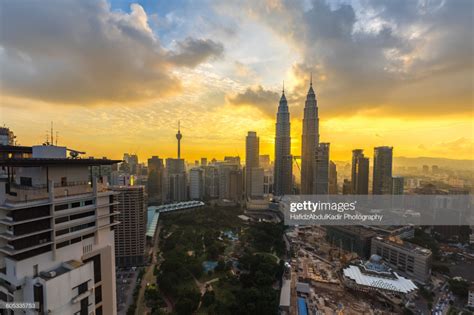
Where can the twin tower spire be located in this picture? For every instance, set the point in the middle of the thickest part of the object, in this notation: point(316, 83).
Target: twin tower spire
point(283, 172)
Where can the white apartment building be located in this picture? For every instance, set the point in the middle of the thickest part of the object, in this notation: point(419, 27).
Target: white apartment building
point(56, 232)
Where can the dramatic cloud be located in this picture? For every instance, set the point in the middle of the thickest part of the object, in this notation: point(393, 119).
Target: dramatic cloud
point(264, 100)
point(401, 57)
point(192, 52)
point(82, 52)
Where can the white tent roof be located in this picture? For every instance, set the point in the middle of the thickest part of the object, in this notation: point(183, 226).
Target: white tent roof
point(399, 284)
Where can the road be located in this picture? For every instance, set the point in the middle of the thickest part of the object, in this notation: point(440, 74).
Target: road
point(148, 277)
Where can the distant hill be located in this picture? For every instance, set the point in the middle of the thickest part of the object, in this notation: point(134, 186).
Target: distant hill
point(420, 161)
point(441, 162)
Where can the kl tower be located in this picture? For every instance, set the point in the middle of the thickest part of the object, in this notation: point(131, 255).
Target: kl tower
point(179, 136)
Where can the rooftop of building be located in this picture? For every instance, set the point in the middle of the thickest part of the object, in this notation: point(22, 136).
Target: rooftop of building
point(62, 269)
point(396, 241)
point(151, 227)
point(376, 274)
point(355, 230)
point(285, 293)
point(47, 155)
point(32, 162)
point(127, 187)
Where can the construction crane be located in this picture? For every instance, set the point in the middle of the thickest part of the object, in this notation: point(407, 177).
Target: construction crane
point(296, 158)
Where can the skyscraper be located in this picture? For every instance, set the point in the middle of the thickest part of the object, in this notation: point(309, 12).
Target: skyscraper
point(252, 149)
point(283, 173)
point(130, 234)
point(382, 177)
point(321, 169)
point(332, 178)
point(175, 184)
point(57, 240)
point(230, 181)
point(360, 173)
point(211, 182)
point(196, 183)
point(155, 179)
point(310, 140)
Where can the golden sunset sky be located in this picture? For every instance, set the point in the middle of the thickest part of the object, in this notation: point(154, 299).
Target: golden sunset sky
point(117, 76)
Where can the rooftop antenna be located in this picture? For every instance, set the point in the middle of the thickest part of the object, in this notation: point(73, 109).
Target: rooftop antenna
point(52, 135)
point(283, 90)
point(57, 136)
point(311, 79)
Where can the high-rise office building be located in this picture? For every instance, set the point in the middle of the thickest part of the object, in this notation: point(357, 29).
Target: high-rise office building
point(156, 170)
point(310, 140)
point(252, 149)
point(355, 155)
point(203, 161)
point(196, 183)
point(283, 173)
point(230, 181)
point(57, 233)
point(257, 183)
point(321, 169)
point(382, 177)
point(211, 182)
point(360, 173)
point(333, 190)
point(397, 185)
point(130, 234)
point(175, 181)
point(132, 162)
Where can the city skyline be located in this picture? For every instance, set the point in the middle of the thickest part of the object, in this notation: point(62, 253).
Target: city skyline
point(223, 79)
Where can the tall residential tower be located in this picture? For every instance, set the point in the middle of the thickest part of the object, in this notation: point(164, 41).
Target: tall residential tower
point(283, 175)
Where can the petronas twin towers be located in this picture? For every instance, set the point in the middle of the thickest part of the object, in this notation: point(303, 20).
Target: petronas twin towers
point(283, 174)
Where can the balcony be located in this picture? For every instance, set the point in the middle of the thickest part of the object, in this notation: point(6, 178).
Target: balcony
point(30, 194)
point(10, 237)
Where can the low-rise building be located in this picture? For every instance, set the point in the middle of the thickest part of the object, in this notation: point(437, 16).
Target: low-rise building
point(405, 257)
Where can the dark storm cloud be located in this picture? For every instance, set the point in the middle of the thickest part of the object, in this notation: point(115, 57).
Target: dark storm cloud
point(266, 101)
point(81, 52)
